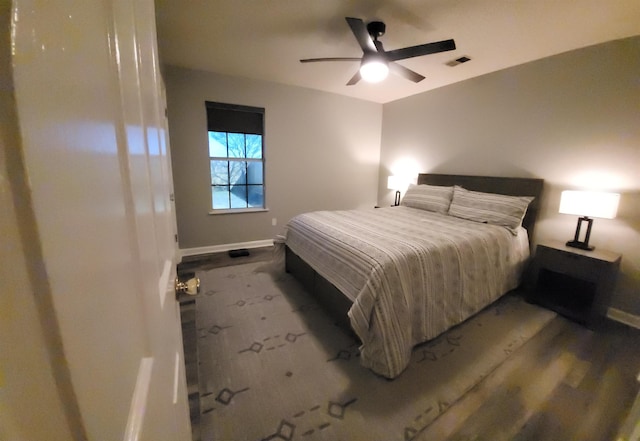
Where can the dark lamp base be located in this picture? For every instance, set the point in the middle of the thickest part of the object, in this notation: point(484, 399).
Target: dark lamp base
point(397, 200)
point(576, 243)
point(581, 245)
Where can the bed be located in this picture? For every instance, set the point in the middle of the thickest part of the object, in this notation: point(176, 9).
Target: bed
point(399, 276)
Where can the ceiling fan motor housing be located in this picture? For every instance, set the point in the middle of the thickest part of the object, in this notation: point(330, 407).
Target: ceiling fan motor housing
point(376, 29)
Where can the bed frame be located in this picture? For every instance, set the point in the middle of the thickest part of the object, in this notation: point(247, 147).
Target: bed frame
point(337, 304)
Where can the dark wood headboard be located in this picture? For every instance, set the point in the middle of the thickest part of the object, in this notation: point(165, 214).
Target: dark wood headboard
point(494, 184)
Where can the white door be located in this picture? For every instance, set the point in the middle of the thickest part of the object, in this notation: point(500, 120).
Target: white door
point(91, 114)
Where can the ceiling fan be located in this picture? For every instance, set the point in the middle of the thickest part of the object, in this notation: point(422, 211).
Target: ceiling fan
point(376, 63)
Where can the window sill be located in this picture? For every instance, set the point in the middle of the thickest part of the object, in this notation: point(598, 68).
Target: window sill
point(238, 210)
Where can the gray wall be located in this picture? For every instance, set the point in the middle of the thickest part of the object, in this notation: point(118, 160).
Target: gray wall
point(572, 120)
point(322, 151)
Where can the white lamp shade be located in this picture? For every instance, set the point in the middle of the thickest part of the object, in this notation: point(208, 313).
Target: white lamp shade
point(374, 70)
point(589, 203)
point(394, 183)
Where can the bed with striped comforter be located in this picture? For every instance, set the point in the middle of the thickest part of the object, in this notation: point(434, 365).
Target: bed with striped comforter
point(411, 274)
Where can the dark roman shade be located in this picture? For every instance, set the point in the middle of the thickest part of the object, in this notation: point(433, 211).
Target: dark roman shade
point(234, 118)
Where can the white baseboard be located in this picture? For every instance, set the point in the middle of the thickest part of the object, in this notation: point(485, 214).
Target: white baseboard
point(624, 317)
point(225, 247)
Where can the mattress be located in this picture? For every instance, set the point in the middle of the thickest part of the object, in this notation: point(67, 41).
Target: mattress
point(411, 274)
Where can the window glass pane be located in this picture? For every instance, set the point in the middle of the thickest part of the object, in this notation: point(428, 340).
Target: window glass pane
point(254, 172)
point(218, 144)
point(239, 196)
point(256, 196)
point(236, 156)
point(220, 197)
point(236, 145)
point(254, 146)
point(219, 172)
point(237, 172)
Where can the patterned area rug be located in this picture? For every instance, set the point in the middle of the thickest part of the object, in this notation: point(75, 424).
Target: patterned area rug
point(274, 366)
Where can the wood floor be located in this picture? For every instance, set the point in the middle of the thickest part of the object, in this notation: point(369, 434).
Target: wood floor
point(567, 383)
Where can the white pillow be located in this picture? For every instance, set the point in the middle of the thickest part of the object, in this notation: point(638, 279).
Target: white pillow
point(428, 197)
point(490, 208)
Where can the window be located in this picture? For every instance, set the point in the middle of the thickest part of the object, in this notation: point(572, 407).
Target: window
point(236, 156)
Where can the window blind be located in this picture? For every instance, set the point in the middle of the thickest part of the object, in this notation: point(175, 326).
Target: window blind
point(223, 117)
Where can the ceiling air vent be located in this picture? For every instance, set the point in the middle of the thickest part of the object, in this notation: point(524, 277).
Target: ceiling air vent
point(457, 61)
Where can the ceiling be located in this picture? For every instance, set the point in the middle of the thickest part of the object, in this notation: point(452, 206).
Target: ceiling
point(265, 39)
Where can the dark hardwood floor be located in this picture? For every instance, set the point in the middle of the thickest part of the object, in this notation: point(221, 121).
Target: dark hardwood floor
point(567, 383)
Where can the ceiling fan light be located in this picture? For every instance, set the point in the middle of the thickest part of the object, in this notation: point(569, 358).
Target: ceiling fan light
point(374, 71)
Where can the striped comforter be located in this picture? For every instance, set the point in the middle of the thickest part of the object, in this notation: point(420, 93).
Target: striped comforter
point(410, 273)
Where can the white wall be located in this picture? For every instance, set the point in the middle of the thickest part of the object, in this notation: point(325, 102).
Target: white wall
point(321, 152)
point(572, 120)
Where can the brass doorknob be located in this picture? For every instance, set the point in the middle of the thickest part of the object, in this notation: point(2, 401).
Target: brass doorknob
point(191, 286)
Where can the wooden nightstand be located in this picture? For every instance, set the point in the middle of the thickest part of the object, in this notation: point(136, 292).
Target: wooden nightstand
point(575, 283)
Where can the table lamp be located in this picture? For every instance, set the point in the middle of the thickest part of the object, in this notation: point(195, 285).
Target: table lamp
point(587, 204)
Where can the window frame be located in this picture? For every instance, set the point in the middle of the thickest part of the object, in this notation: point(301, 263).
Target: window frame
point(230, 159)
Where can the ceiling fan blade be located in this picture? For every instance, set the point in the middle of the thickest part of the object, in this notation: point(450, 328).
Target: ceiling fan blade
point(359, 30)
point(354, 79)
point(313, 60)
point(422, 49)
point(405, 73)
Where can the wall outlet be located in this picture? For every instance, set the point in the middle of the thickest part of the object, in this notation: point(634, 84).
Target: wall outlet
point(274, 221)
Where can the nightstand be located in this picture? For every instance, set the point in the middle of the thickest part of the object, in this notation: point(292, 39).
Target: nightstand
point(575, 283)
